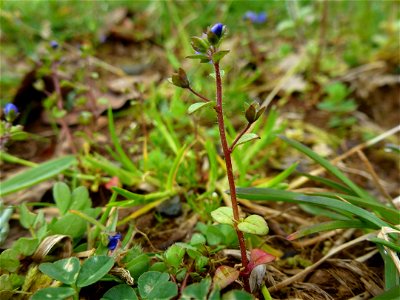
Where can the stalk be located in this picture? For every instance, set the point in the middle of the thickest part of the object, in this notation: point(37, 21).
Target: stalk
point(229, 171)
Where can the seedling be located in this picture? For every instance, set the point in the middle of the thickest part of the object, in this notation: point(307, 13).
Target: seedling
point(207, 49)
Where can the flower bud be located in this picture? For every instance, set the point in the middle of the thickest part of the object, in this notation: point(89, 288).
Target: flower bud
point(180, 79)
point(217, 29)
point(215, 33)
point(113, 241)
point(54, 44)
point(253, 112)
point(10, 111)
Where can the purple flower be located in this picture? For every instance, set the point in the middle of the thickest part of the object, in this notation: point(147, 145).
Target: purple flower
point(54, 44)
point(10, 108)
point(217, 29)
point(113, 241)
point(255, 18)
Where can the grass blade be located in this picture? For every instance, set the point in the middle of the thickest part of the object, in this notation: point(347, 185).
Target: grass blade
point(123, 158)
point(389, 214)
point(264, 194)
point(329, 183)
point(36, 175)
point(329, 167)
point(174, 170)
point(326, 226)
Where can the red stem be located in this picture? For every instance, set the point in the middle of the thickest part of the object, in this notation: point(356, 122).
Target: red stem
point(199, 95)
point(229, 172)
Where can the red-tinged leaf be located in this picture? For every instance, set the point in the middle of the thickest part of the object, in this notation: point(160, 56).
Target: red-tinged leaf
point(259, 257)
point(224, 276)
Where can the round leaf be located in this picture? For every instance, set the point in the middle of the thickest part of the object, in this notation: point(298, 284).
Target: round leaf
point(120, 292)
point(93, 269)
point(156, 285)
point(65, 270)
point(254, 224)
point(223, 215)
point(224, 276)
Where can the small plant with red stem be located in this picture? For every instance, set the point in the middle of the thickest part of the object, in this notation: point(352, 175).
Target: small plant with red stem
point(207, 50)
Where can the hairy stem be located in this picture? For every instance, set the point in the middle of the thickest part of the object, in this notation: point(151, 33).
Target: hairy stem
point(229, 172)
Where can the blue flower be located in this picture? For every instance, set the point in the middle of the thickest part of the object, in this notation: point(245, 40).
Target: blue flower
point(10, 108)
point(255, 18)
point(217, 29)
point(54, 44)
point(113, 241)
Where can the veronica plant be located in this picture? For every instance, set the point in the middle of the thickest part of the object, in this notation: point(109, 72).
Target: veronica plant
point(207, 49)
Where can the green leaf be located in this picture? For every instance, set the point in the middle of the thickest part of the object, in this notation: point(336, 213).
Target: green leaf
point(280, 177)
point(254, 224)
point(174, 169)
point(156, 285)
point(65, 270)
point(9, 260)
point(213, 235)
point(339, 206)
point(69, 224)
point(93, 269)
point(53, 293)
point(202, 57)
point(174, 255)
point(80, 198)
point(223, 215)
point(129, 195)
point(393, 246)
point(62, 196)
point(328, 182)
point(198, 105)
point(27, 218)
point(100, 162)
point(391, 294)
point(329, 167)
point(326, 226)
point(247, 137)
point(198, 291)
point(26, 246)
point(217, 56)
point(213, 169)
point(199, 44)
point(138, 265)
point(389, 214)
point(36, 175)
point(120, 292)
point(124, 159)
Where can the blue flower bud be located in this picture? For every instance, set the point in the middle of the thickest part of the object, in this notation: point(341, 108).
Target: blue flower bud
point(113, 241)
point(54, 44)
point(10, 112)
point(217, 29)
point(10, 108)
